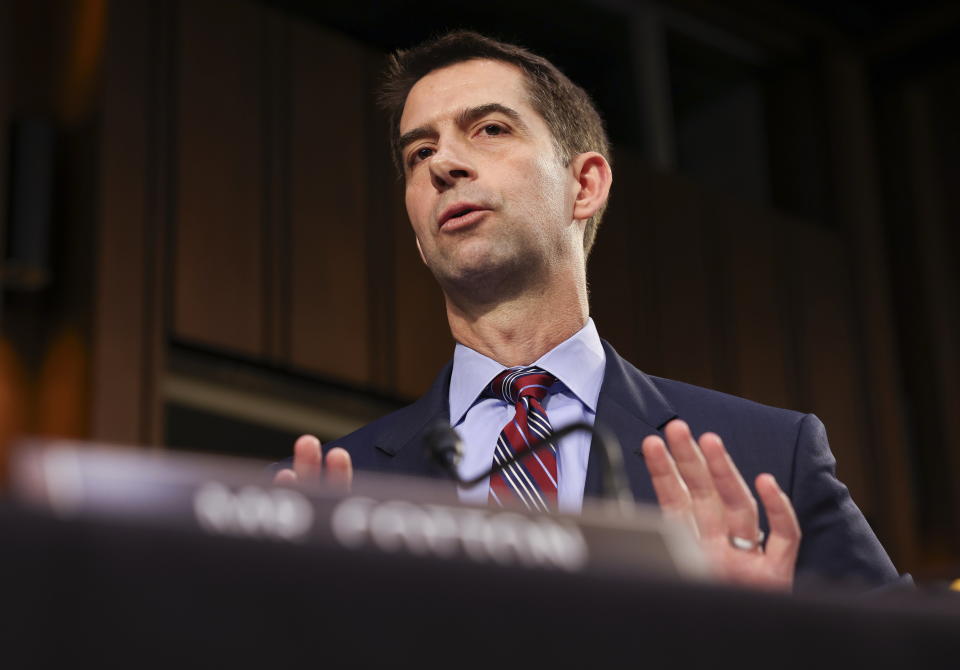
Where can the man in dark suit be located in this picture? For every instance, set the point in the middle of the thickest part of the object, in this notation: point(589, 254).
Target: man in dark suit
point(506, 171)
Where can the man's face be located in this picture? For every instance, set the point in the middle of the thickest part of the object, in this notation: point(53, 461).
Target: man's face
point(485, 191)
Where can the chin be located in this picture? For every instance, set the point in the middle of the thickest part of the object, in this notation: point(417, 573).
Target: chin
point(491, 276)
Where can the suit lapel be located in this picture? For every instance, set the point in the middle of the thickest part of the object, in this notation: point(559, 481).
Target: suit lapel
point(404, 439)
point(631, 407)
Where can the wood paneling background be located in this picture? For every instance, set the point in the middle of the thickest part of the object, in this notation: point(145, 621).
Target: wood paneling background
point(120, 392)
point(249, 209)
point(329, 198)
point(220, 163)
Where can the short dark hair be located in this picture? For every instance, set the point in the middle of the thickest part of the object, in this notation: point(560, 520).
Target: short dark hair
point(569, 113)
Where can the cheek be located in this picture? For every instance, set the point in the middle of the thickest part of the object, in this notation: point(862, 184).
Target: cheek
point(548, 180)
point(415, 207)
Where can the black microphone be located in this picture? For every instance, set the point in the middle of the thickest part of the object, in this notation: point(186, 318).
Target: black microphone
point(445, 447)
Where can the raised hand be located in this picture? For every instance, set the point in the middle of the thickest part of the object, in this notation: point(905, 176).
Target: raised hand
point(699, 484)
point(309, 465)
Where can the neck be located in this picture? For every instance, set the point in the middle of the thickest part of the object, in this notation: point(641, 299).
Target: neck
point(522, 328)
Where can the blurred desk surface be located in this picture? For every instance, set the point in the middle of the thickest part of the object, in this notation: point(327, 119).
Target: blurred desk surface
point(111, 592)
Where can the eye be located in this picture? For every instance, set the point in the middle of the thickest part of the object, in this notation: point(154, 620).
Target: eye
point(420, 154)
point(493, 129)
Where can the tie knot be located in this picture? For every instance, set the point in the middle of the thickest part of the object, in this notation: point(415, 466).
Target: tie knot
point(516, 383)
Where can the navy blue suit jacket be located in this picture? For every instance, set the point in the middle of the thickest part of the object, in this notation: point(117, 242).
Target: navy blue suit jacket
point(837, 541)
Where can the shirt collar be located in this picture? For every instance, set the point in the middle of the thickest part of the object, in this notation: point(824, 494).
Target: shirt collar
point(578, 362)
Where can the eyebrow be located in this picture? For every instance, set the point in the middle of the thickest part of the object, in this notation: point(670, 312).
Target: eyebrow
point(464, 117)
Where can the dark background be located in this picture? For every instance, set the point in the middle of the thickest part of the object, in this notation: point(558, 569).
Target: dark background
point(204, 245)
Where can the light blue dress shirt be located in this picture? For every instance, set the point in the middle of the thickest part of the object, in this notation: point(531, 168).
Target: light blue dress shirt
point(577, 363)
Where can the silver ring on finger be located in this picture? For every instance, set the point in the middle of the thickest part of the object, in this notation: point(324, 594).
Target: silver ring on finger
point(744, 544)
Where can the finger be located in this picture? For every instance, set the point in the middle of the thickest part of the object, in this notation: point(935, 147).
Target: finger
point(285, 476)
point(307, 461)
point(739, 505)
point(784, 540)
point(707, 505)
point(339, 468)
point(672, 493)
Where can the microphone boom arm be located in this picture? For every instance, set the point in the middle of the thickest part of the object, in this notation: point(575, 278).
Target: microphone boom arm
point(445, 447)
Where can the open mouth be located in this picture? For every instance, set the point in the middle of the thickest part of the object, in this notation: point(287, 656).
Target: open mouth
point(460, 214)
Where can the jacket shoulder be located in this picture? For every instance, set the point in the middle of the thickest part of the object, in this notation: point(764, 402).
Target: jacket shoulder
point(696, 403)
point(760, 438)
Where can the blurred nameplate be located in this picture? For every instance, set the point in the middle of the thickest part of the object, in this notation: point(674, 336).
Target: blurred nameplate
point(381, 514)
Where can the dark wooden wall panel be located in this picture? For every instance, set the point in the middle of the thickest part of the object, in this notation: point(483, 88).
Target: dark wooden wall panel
point(857, 204)
point(5, 107)
point(219, 280)
point(12, 378)
point(119, 316)
point(275, 252)
point(749, 256)
point(386, 218)
point(423, 342)
point(329, 205)
point(678, 251)
point(129, 328)
point(830, 380)
point(932, 138)
point(619, 270)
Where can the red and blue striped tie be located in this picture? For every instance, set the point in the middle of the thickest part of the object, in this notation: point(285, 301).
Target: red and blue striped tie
point(533, 479)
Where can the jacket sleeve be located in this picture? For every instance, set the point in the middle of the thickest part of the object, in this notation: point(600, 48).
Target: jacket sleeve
point(838, 544)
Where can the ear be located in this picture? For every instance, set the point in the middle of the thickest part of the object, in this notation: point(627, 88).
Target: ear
point(593, 179)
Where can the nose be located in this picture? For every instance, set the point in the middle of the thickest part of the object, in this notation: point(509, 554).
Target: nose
point(448, 166)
